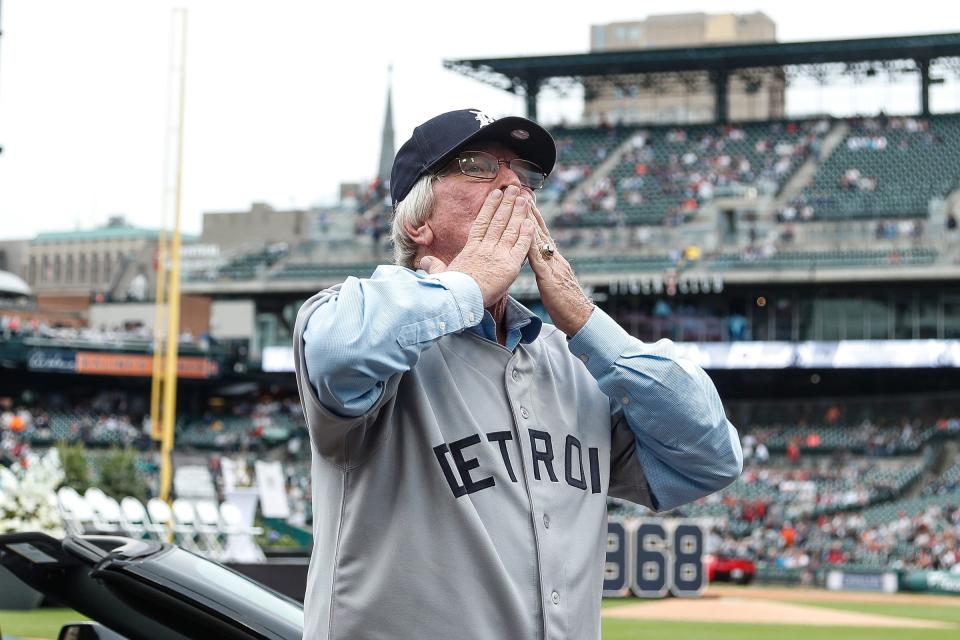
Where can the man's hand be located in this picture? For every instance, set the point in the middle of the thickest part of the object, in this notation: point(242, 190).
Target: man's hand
point(498, 241)
point(562, 297)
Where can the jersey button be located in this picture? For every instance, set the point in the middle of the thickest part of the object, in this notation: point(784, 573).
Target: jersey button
point(555, 597)
point(516, 376)
point(546, 521)
point(524, 413)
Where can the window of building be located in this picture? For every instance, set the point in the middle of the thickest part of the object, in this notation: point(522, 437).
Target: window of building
point(927, 318)
point(950, 312)
point(879, 317)
point(905, 320)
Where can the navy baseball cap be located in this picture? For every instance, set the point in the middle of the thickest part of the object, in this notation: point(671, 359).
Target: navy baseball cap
point(436, 141)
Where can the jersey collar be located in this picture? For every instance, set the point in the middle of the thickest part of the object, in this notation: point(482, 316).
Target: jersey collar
point(521, 324)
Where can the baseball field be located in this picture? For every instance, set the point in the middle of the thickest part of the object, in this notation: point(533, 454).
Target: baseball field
point(744, 613)
point(734, 613)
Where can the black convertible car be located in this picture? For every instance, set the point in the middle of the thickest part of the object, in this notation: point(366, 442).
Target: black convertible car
point(139, 589)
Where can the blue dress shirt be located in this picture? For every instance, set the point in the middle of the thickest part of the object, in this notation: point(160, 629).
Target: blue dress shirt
point(380, 325)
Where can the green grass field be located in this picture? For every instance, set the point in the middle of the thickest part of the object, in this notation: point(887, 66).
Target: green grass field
point(45, 623)
point(663, 630)
point(636, 630)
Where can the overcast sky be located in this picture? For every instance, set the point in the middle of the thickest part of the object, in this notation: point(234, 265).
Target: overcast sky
point(285, 98)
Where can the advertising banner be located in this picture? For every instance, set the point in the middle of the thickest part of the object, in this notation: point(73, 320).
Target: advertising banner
point(131, 364)
point(931, 581)
point(882, 581)
point(52, 360)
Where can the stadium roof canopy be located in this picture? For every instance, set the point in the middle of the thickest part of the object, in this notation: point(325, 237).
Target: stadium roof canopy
point(527, 74)
point(105, 233)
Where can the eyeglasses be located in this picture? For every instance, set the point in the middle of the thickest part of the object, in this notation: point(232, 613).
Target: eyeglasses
point(486, 166)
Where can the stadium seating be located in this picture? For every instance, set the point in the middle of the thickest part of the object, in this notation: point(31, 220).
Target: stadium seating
point(611, 182)
point(245, 266)
point(579, 151)
point(322, 270)
point(669, 171)
point(887, 168)
point(783, 489)
point(908, 507)
point(825, 259)
point(844, 438)
point(947, 482)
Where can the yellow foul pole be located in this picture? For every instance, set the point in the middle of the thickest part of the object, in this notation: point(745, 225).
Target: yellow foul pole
point(159, 327)
point(173, 326)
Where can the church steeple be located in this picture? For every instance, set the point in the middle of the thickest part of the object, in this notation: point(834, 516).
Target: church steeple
point(387, 150)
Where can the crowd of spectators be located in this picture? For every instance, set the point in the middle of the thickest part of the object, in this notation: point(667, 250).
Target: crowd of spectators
point(927, 540)
point(684, 168)
point(804, 510)
point(797, 505)
point(117, 418)
point(107, 417)
point(254, 424)
point(577, 158)
point(867, 438)
point(14, 326)
point(867, 136)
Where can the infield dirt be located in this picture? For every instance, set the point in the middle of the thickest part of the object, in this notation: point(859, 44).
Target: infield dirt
point(779, 606)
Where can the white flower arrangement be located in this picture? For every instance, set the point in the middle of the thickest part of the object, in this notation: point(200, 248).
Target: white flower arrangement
point(28, 498)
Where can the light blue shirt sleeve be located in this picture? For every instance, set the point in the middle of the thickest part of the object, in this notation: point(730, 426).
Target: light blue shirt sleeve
point(685, 443)
point(377, 327)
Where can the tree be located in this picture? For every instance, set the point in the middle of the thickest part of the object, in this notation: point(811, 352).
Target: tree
point(76, 467)
point(119, 476)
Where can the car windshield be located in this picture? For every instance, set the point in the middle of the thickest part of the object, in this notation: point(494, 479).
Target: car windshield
point(227, 587)
point(248, 590)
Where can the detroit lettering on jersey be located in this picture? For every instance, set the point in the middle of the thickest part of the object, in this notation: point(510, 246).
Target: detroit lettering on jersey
point(471, 480)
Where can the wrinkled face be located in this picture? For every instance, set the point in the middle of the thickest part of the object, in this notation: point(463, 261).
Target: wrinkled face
point(457, 200)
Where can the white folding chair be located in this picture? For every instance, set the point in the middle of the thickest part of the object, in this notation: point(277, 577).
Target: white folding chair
point(240, 543)
point(135, 518)
point(107, 520)
point(185, 519)
point(66, 498)
point(94, 496)
point(233, 521)
point(161, 513)
point(78, 517)
point(208, 526)
point(87, 517)
point(110, 511)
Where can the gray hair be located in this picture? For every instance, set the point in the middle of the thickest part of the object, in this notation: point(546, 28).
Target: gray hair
point(414, 209)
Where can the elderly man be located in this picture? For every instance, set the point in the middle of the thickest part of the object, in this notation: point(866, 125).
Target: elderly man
point(463, 450)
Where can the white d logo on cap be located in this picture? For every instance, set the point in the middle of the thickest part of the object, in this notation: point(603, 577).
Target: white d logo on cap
point(482, 118)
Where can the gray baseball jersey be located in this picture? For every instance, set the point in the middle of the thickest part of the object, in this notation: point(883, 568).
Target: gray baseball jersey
point(470, 501)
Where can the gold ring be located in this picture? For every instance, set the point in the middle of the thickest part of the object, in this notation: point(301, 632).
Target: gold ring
point(547, 250)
